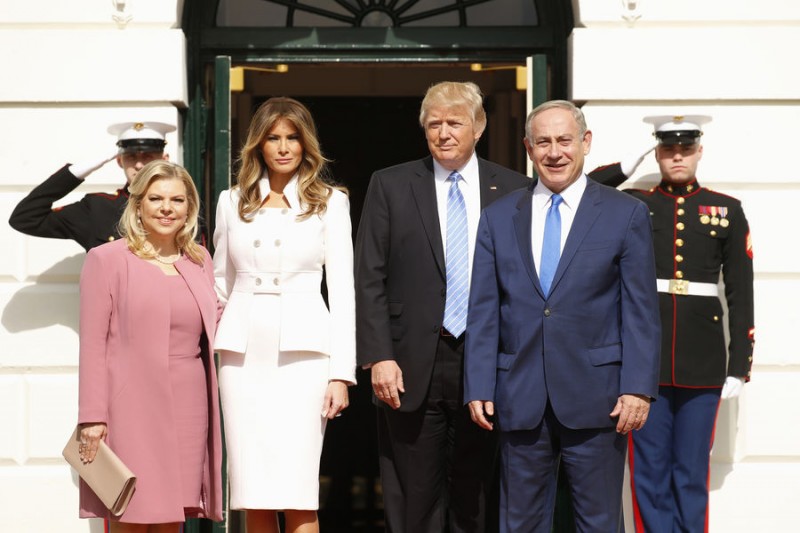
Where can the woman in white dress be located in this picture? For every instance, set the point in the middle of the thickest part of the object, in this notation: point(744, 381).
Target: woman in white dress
point(286, 360)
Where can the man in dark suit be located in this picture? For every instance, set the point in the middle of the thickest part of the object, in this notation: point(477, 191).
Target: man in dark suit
point(93, 220)
point(413, 254)
point(563, 331)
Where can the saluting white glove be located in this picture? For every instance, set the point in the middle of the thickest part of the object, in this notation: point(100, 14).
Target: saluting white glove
point(732, 387)
point(81, 170)
point(630, 162)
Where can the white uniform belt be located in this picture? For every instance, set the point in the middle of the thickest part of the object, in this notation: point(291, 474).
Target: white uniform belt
point(277, 282)
point(684, 287)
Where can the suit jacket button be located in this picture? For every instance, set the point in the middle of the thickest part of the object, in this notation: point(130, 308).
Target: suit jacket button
point(547, 312)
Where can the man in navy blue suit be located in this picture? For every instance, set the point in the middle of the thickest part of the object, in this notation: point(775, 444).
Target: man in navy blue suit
point(562, 345)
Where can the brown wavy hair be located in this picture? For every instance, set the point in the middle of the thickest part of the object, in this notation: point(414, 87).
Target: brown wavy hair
point(136, 235)
point(314, 184)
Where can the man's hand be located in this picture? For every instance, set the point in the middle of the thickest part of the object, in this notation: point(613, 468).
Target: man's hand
point(387, 382)
point(732, 387)
point(630, 162)
point(632, 410)
point(479, 410)
point(81, 170)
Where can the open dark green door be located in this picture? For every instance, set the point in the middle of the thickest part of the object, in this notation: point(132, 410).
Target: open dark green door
point(211, 167)
point(221, 165)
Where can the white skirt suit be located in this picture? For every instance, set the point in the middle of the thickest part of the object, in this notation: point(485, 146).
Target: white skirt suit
point(278, 343)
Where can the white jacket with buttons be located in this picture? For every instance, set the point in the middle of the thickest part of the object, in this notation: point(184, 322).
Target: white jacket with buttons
point(287, 260)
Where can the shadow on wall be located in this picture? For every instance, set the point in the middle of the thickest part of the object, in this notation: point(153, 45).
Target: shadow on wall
point(51, 300)
point(724, 451)
point(96, 525)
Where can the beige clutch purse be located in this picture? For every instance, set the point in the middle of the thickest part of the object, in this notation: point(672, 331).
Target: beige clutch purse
point(107, 475)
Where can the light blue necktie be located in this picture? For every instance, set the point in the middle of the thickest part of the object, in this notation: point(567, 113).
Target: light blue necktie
point(551, 246)
point(456, 260)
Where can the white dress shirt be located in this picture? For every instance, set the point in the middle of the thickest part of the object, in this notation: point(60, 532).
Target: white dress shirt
point(470, 187)
point(541, 203)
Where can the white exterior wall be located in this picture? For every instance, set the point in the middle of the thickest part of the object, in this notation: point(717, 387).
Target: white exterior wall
point(731, 59)
point(69, 71)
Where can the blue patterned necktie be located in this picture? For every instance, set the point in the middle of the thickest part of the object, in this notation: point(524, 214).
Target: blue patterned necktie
point(456, 260)
point(551, 245)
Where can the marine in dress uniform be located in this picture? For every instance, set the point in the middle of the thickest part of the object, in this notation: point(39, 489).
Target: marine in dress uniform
point(92, 220)
point(697, 233)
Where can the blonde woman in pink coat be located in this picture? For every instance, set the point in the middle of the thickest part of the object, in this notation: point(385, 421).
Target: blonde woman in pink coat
point(148, 385)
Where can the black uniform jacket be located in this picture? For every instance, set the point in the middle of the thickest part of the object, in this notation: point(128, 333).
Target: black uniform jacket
point(610, 175)
point(90, 222)
point(698, 233)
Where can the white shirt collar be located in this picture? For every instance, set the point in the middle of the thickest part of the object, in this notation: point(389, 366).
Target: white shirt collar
point(571, 195)
point(469, 172)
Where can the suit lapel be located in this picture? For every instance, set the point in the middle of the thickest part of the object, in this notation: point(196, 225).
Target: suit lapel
point(491, 190)
point(193, 275)
point(522, 230)
point(423, 188)
point(588, 211)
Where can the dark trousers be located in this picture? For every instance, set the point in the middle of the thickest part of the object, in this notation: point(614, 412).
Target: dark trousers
point(436, 465)
point(669, 461)
point(594, 463)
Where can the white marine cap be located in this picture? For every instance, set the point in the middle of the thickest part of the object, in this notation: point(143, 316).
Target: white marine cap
point(677, 129)
point(140, 136)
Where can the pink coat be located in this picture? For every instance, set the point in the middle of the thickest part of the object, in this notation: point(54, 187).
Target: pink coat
point(124, 342)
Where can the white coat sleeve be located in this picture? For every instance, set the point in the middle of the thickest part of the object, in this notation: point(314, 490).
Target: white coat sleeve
point(341, 288)
point(224, 272)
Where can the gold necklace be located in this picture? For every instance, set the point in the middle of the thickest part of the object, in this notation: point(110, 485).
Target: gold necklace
point(165, 261)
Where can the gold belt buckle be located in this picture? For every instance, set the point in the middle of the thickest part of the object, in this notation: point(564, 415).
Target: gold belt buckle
point(679, 286)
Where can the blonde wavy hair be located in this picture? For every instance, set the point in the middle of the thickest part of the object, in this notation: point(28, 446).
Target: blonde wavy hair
point(450, 94)
point(131, 228)
point(314, 185)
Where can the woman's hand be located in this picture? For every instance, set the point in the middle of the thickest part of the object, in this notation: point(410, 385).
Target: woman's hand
point(90, 440)
point(336, 399)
